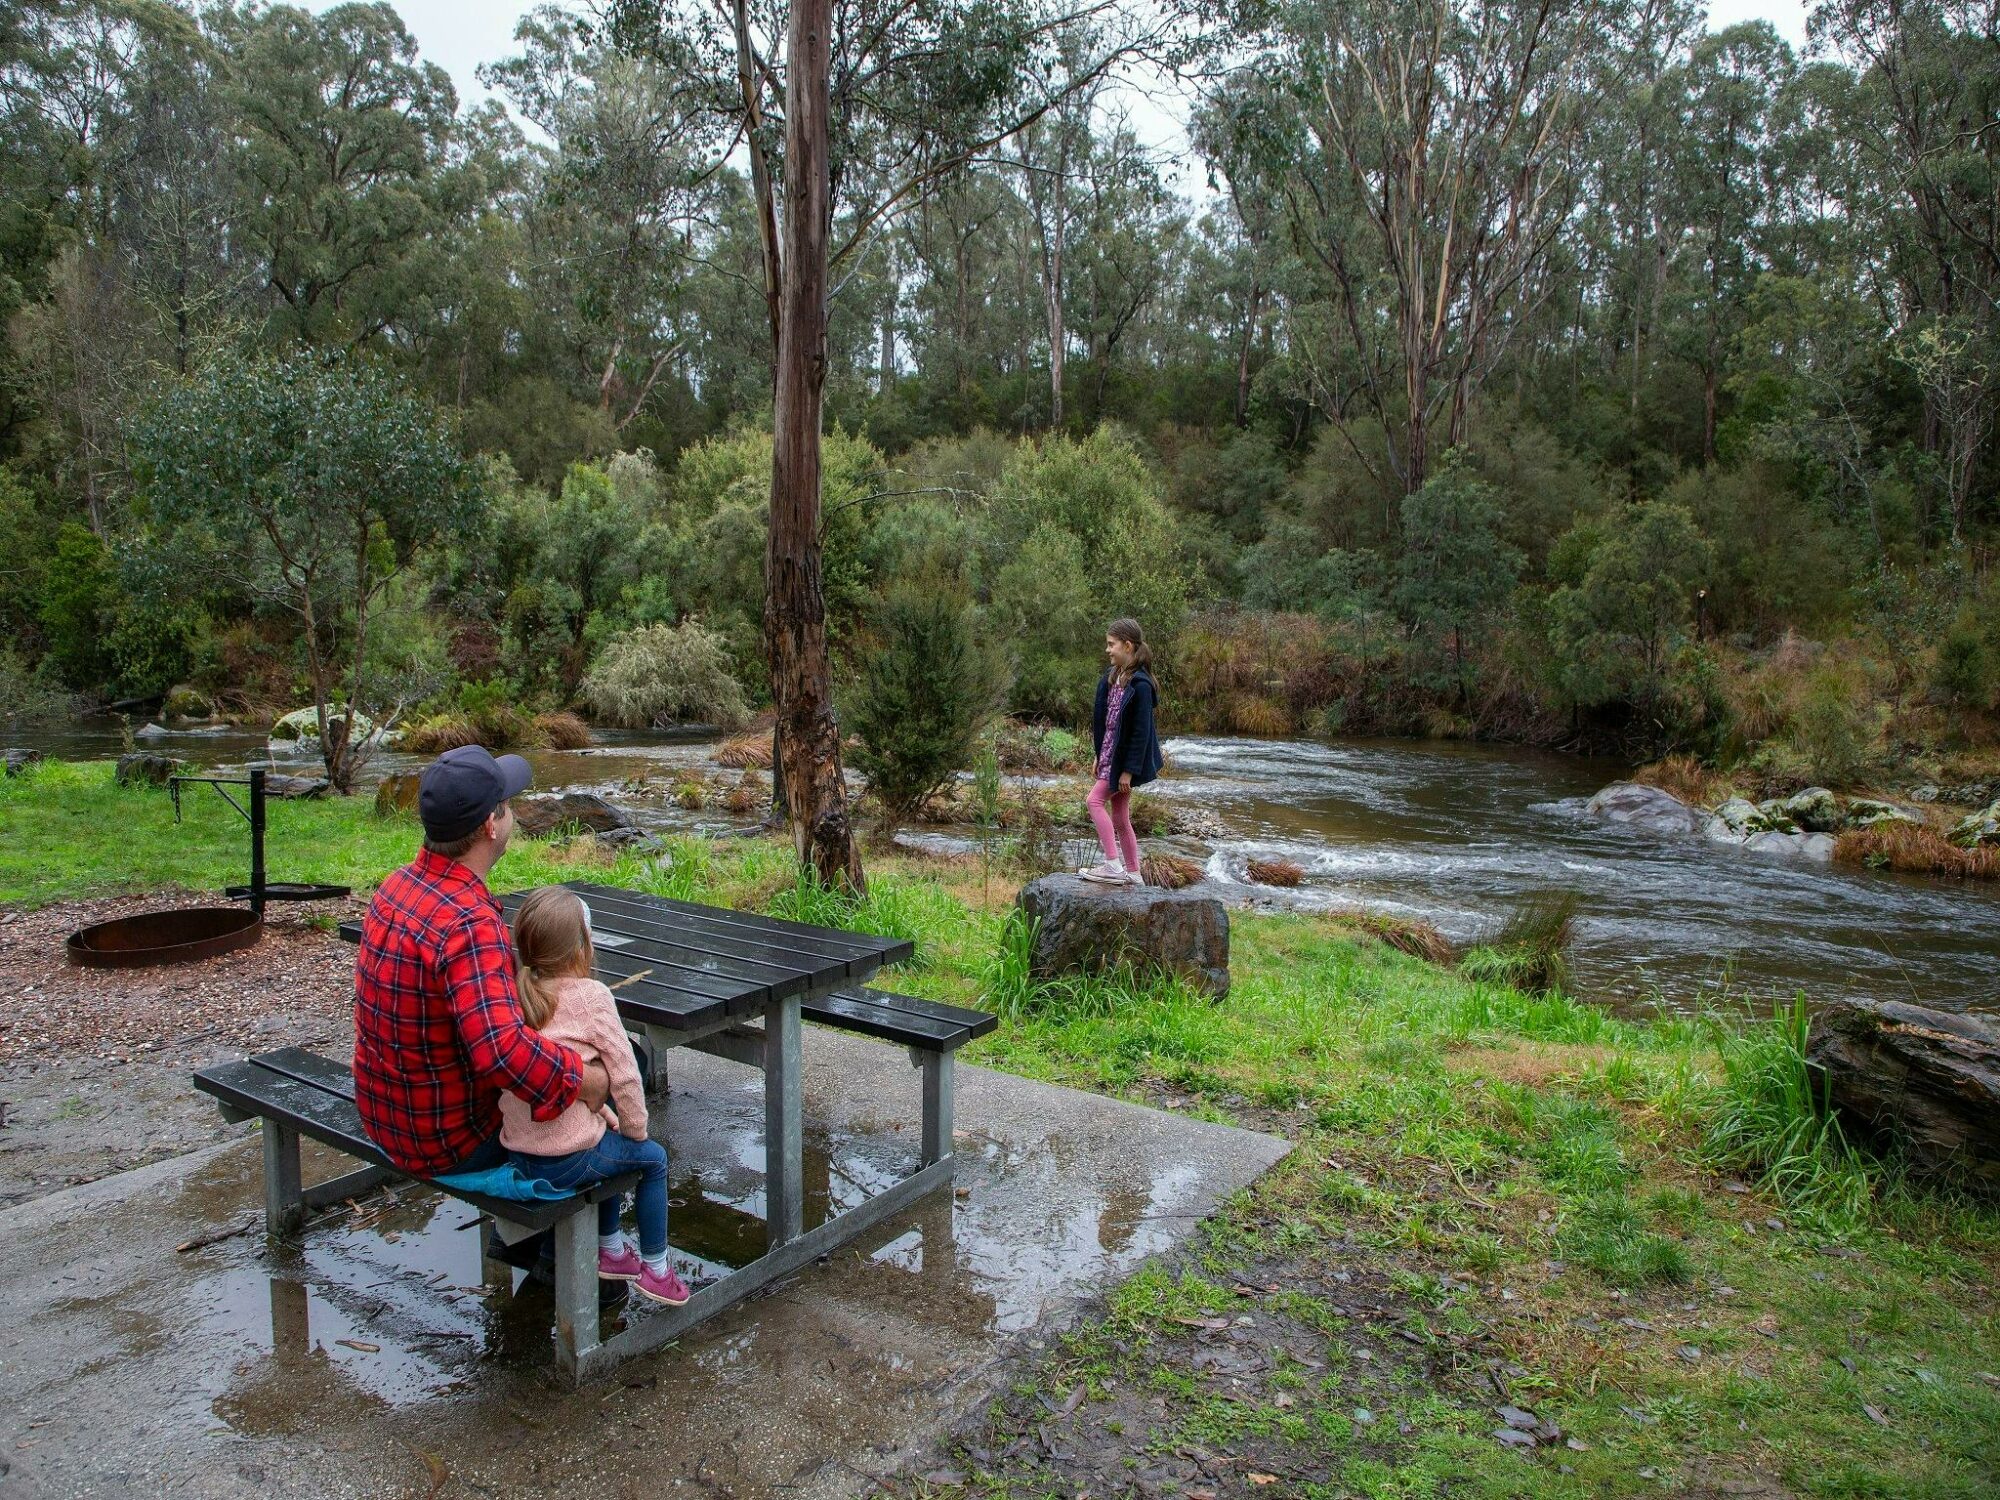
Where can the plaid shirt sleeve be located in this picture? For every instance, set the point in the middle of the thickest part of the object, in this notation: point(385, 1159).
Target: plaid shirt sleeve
point(503, 1050)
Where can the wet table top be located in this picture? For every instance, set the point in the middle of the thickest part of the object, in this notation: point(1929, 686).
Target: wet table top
point(684, 966)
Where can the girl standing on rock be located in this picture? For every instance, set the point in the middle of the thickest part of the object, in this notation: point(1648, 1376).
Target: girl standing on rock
point(1128, 750)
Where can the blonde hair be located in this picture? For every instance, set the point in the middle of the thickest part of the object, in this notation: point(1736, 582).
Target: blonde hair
point(551, 941)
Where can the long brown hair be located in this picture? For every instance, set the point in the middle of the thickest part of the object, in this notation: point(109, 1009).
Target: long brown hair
point(551, 941)
point(1127, 630)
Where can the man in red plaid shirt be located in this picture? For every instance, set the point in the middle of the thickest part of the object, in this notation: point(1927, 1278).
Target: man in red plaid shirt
point(438, 1029)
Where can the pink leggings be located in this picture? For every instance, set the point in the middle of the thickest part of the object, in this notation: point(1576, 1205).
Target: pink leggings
point(1111, 812)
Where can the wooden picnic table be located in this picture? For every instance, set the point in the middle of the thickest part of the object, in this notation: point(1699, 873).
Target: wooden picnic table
point(732, 983)
point(738, 985)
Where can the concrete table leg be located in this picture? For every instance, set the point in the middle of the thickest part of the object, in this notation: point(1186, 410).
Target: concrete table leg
point(784, 1153)
point(937, 1106)
point(576, 1291)
point(284, 1197)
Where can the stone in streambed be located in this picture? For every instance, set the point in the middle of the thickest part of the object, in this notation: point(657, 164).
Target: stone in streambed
point(1815, 810)
point(1815, 848)
point(1082, 926)
point(541, 815)
point(17, 759)
point(1930, 1079)
point(1975, 829)
point(1866, 812)
point(1646, 808)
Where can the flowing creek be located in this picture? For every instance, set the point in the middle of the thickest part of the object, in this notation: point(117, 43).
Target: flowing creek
point(1457, 835)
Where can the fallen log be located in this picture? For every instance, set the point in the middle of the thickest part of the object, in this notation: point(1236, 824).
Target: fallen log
point(1929, 1079)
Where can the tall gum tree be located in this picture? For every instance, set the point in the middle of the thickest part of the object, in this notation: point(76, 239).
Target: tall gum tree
point(1427, 155)
point(846, 112)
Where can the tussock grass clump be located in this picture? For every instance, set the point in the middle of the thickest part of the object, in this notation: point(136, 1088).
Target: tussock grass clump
point(1772, 1121)
point(434, 736)
point(1915, 849)
point(1279, 872)
point(1530, 951)
point(744, 752)
point(562, 730)
point(1262, 717)
point(1685, 777)
point(1408, 935)
point(1170, 872)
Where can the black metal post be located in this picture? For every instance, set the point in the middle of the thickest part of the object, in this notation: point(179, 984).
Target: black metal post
point(257, 843)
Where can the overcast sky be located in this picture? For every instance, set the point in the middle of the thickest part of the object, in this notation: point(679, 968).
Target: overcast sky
point(462, 34)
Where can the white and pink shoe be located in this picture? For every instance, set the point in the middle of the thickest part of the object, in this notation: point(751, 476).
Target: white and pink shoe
point(622, 1264)
point(1105, 874)
point(661, 1286)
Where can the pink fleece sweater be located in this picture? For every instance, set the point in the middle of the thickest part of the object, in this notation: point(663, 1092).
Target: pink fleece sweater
point(586, 1018)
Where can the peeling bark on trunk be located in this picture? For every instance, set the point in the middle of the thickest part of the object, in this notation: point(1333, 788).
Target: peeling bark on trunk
point(794, 599)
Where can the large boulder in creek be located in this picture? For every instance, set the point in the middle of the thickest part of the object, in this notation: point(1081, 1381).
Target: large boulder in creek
point(536, 816)
point(1814, 810)
point(1930, 1079)
point(1816, 848)
point(1974, 829)
point(301, 725)
point(17, 759)
point(1081, 926)
point(1646, 808)
point(147, 768)
point(1866, 812)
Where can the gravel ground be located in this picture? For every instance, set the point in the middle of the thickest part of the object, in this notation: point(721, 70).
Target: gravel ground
point(95, 1063)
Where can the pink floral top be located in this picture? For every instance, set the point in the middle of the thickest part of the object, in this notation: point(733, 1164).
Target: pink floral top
point(1112, 705)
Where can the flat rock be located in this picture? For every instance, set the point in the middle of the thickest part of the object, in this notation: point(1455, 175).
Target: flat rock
point(1929, 1078)
point(537, 816)
point(1646, 808)
point(1815, 848)
point(1081, 926)
point(295, 788)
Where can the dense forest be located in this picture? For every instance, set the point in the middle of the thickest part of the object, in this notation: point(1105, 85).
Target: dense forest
point(1560, 371)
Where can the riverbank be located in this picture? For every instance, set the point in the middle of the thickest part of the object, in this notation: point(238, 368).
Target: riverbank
point(1499, 1200)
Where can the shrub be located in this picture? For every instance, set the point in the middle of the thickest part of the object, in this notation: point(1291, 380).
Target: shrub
point(1964, 673)
point(660, 673)
point(1829, 730)
point(924, 693)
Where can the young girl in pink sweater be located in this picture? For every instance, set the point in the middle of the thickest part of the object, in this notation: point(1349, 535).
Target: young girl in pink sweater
point(582, 1146)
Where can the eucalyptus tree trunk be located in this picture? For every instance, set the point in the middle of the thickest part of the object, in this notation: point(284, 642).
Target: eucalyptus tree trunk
point(794, 597)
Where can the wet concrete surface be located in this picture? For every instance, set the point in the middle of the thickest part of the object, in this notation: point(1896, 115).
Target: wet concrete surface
point(370, 1360)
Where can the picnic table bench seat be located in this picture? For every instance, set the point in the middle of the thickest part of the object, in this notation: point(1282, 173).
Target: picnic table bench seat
point(296, 1094)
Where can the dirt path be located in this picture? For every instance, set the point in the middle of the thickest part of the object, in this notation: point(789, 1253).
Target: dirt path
point(95, 1063)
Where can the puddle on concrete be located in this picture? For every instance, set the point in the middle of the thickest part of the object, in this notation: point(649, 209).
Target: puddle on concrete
point(383, 1305)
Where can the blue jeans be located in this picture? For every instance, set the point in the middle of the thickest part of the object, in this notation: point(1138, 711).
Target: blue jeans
point(609, 1158)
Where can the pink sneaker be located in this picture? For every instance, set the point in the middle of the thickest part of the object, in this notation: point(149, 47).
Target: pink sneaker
point(620, 1265)
point(664, 1286)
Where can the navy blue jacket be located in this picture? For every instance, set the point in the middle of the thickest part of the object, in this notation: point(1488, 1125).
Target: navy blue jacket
point(1138, 746)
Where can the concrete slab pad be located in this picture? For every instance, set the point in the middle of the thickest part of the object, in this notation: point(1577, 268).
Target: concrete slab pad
point(369, 1360)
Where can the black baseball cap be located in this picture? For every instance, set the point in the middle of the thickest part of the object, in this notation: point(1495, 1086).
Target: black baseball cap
point(460, 787)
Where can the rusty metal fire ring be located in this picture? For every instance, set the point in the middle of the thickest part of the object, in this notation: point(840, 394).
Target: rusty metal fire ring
point(164, 937)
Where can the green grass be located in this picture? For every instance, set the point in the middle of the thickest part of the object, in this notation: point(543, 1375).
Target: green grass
point(1446, 1125)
